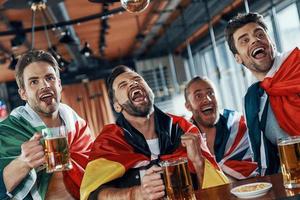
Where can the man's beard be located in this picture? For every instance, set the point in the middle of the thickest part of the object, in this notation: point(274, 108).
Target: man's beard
point(139, 111)
point(206, 123)
point(47, 110)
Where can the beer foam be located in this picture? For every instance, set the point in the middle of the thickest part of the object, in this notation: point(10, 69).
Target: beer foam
point(289, 141)
point(173, 162)
point(56, 137)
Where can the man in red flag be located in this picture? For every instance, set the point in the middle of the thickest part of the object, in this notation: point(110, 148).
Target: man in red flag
point(272, 105)
point(226, 133)
point(22, 175)
point(124, 158)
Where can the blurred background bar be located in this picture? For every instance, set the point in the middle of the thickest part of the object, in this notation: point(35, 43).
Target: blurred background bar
point(168, 43)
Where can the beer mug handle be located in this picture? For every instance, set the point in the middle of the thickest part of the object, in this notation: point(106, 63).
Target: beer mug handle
point(40, 168)
point(45, 132)
point(63, 130)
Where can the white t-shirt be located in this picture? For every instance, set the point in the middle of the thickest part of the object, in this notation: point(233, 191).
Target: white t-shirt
point(155, 151)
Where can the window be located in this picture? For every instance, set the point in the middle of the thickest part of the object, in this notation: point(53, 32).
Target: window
point(200, 65)
point(289, 27)
point(223, 57)
point(210, 62)
point(268, 22)
point(158, 80)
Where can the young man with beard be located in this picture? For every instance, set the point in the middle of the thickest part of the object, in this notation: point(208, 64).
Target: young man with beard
point(272, 105)
point(125, 155)
point(21, 153)
point(226, 134)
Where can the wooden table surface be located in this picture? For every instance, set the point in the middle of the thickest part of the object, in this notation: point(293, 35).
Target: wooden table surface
point(277, 191)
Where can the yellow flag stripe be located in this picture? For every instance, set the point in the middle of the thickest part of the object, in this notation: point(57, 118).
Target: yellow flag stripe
point(98, 172)
point(213, 177)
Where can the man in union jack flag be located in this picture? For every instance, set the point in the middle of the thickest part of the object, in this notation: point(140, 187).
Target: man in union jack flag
point(226, 133)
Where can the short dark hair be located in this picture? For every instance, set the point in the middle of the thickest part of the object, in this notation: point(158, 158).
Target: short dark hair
point(193, 80)
point(31, 57)
point(239, 21)
point(120, 69)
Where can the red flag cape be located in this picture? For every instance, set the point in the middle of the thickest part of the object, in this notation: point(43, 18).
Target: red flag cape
point(112, 155)
point(284, 93)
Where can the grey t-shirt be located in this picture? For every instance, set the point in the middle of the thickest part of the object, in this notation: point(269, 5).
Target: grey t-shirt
point(273, 132)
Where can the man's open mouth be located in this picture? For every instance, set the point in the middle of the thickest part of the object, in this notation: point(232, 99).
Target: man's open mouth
point(137, 95)
point(258, 53)
point(47, 98)
point(207, 110)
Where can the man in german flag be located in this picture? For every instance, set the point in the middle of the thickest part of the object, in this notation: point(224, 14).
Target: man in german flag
point(124, 158)
point(272, 105)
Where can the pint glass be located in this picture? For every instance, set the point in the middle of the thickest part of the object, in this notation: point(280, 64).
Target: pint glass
point(289, 152)
point(177, 180)
point(56, 149)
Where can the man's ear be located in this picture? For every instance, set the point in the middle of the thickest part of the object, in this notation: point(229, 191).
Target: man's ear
point(59, 84)
point(188, 106)
point(238, 58)
point(117, 107)
point(22, 94)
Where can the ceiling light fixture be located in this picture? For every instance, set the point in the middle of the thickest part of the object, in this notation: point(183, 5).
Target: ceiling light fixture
point(66, 38)
point(36, 5)
point(20, 37)
point(135, 6)
point(86, 50)
point(132, 6)
point(24, 4)
point(62, 63)
point(13, 62)
point(17, 41)
point(105, 24)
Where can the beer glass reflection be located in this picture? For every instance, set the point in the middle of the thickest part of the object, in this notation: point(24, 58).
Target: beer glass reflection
point(289, 152)
point(177, 180)
point(56, 149)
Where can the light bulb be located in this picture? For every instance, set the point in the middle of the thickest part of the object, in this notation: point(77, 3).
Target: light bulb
point(135, 6)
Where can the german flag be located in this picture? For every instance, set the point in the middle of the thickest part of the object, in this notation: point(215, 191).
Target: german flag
point(116, 150)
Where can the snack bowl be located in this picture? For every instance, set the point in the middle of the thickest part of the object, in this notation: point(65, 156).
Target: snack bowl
point(251, 190)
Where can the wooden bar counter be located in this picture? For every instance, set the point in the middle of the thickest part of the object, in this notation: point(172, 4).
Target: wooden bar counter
point(276, 192)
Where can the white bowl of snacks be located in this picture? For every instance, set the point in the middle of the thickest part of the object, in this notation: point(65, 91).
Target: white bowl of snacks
point(251, 190)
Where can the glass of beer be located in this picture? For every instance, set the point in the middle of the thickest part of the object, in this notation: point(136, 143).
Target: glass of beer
point(289, 152)
point(177, 179)
point(56, 149)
